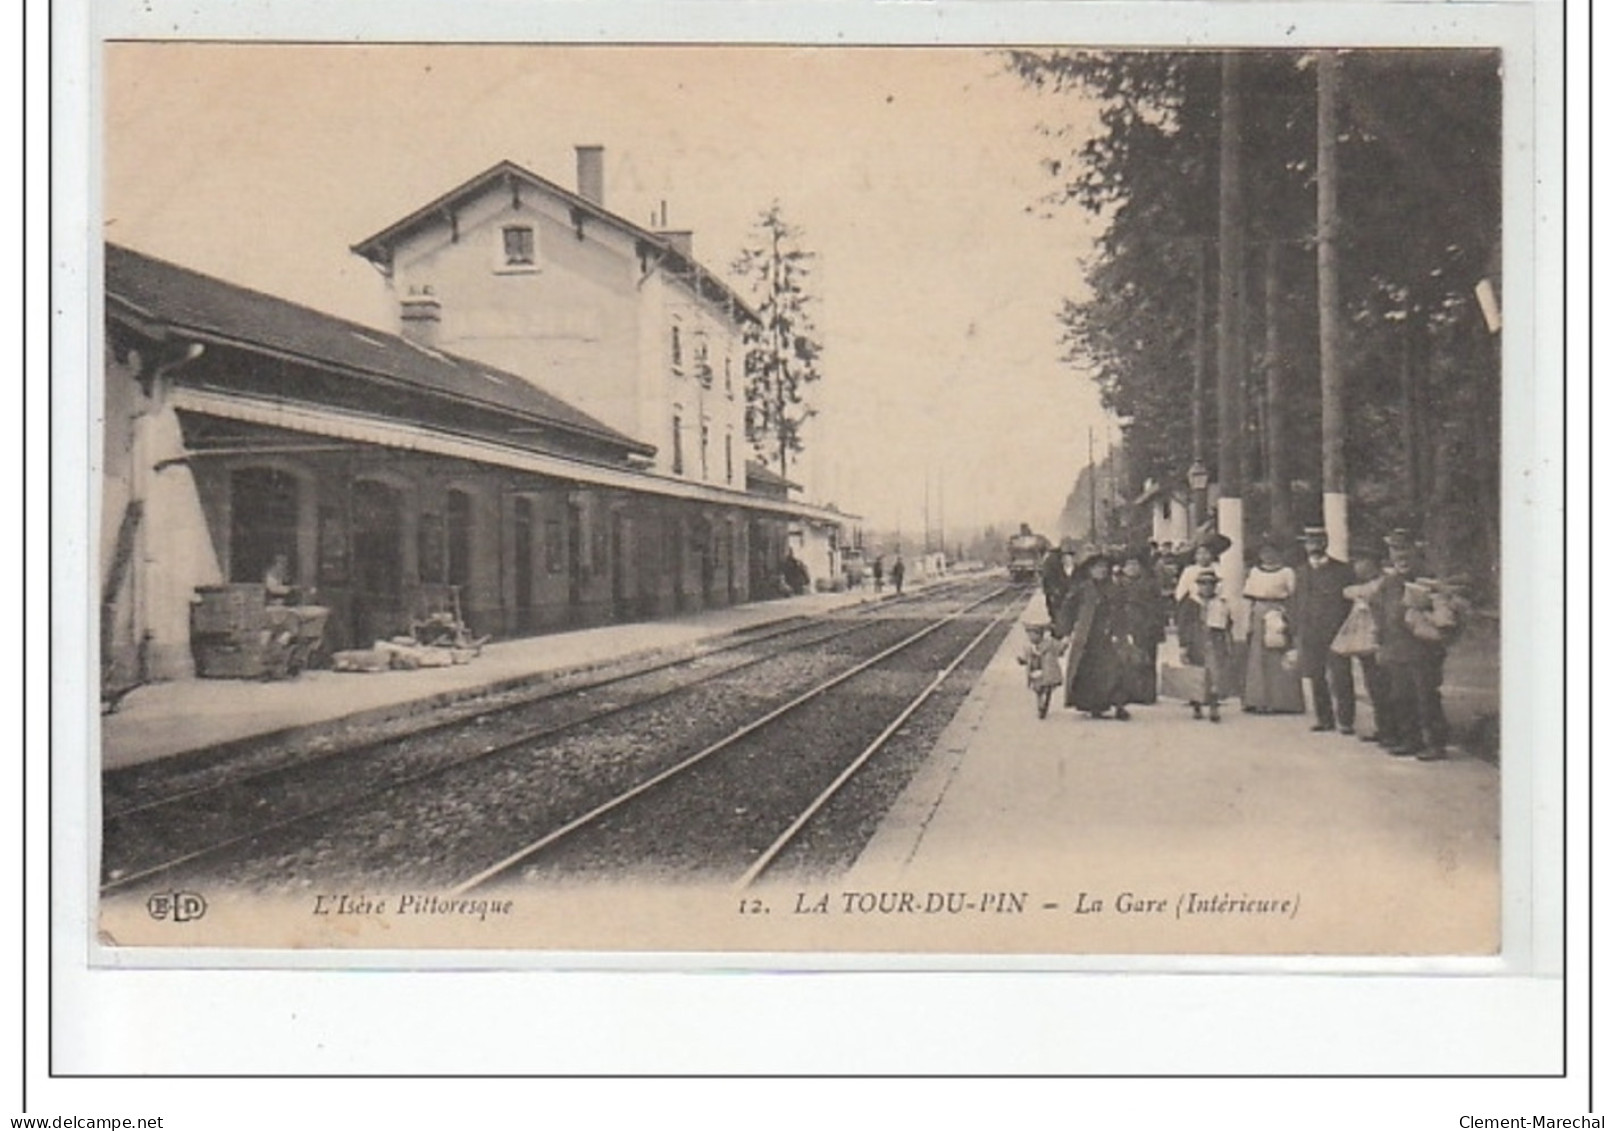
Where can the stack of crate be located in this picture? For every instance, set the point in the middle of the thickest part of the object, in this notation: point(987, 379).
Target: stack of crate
point(230, 632)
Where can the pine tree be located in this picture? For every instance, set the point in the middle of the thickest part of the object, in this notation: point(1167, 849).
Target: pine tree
point(782, 347)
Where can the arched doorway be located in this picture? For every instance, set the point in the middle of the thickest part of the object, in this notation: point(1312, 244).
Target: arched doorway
point(524, 564)
point(263, 522)
point(701, 534)
point(378, 562)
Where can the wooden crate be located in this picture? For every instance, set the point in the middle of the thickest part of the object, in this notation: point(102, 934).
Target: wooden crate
point(231, 661)
point(228, 610)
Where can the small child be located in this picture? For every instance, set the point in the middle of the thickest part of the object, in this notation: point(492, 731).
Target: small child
point(1204, 621)
point(1041, 658)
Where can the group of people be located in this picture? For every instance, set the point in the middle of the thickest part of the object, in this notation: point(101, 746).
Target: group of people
point(1108, 615)
point(1110, 612)
point(880, 573)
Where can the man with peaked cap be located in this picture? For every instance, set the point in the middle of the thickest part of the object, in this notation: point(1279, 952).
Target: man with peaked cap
point(1410, 667)
point(1317, 610)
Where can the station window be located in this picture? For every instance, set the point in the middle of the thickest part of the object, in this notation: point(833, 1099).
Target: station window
point(429, 549)
point(333, 547)
point(677, 351)
point(678, 445)
point(520, 250)
point(729, 377)
point(729, 458)
point(705, 434)
point(554, 549)
point(703, 367)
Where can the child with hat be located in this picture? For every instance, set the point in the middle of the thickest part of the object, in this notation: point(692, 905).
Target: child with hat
point(1204, 621)
point(1041, 658)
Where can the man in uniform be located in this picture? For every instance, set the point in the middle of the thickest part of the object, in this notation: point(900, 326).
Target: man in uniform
point(1317, 610)
point(1410, 667)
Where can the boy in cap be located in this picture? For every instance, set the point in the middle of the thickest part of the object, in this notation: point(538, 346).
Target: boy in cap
point(1204, 620)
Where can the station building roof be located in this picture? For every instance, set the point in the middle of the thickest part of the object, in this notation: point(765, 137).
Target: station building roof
point(163, 297)
point(345, 381)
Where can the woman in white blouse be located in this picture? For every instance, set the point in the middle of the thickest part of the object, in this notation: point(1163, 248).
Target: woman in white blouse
point(1272, 686)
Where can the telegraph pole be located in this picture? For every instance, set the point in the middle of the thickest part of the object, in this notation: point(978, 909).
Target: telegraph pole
point(1331, 378)
point(1230, 295)
point(926, 549)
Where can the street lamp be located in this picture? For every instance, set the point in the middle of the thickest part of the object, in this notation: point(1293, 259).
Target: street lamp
point(1199, 477)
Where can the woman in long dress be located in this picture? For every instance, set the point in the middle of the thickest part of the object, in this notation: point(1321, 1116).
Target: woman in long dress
point(1091, 615)
point(1143, 621)
point(1272, 684)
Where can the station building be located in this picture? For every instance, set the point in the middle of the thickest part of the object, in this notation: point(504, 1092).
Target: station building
point(556, 432)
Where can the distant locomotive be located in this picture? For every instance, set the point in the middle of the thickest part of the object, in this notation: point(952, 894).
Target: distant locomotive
point(1026, 552)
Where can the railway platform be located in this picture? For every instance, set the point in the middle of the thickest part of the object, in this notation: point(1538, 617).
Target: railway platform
point(162, 720)
point(1386, 853)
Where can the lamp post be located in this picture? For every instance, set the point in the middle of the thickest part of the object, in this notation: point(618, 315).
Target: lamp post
point(1199, 477)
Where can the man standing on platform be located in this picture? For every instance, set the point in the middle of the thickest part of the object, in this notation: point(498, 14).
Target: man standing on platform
point(1410, 666)
point(1365, 563)
point(1317, 610)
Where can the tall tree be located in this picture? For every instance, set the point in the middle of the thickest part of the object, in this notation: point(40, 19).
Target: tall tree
point(1416, 226)
point(783, 347)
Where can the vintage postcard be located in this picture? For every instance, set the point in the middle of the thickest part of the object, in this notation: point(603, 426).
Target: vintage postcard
point(802, 499)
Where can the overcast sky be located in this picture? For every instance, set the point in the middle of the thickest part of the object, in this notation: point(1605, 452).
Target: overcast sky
point(914, 174)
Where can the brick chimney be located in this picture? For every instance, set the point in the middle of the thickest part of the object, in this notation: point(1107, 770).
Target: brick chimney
point(420, 316)
point(592, 174)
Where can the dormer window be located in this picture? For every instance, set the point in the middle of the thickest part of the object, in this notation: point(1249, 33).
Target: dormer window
point(520, 251)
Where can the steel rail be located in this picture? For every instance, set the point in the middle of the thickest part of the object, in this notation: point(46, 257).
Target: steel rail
point(771, 853)
point(493, 871)
point(130, 879)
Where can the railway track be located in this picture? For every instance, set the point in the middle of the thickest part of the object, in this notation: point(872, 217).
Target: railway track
point(725, 798)
point(168, 782)
point(203, 829)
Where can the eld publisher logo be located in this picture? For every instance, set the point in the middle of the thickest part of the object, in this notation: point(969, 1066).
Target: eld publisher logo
point(180, 906)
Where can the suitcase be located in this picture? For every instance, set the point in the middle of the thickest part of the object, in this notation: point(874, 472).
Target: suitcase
point(1184, 681)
